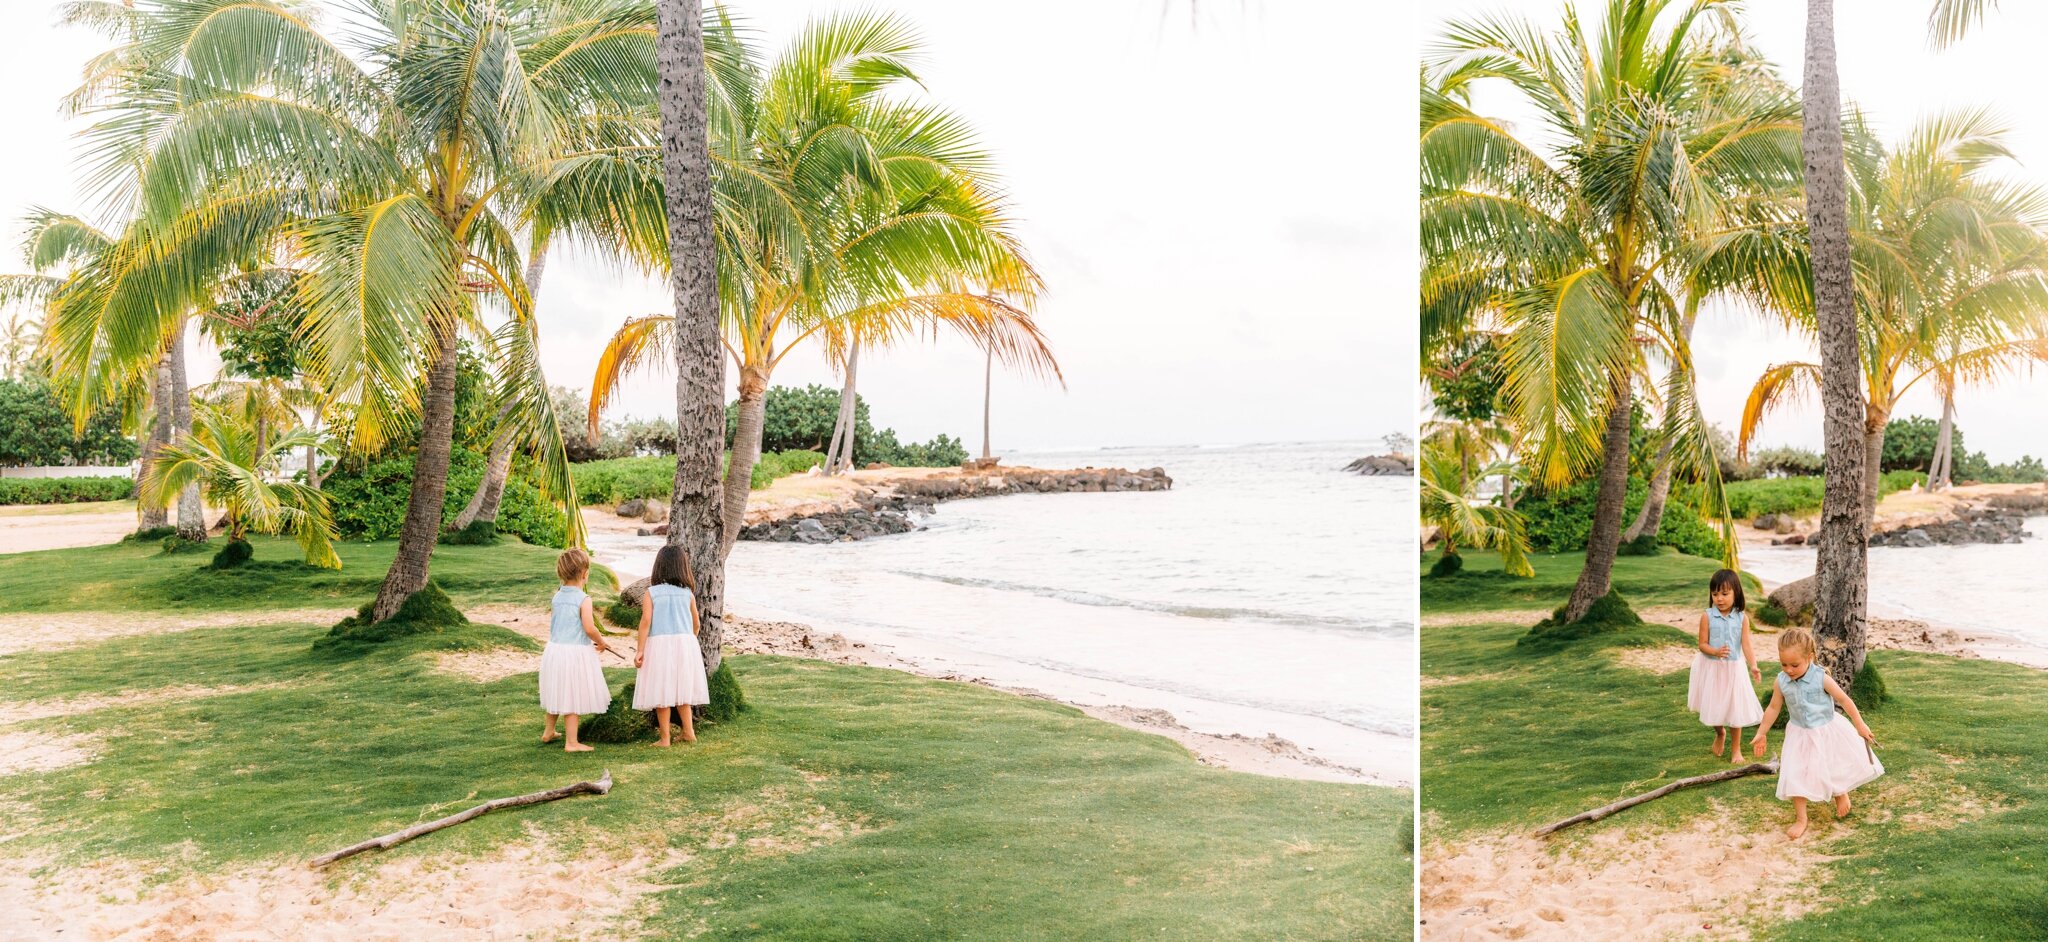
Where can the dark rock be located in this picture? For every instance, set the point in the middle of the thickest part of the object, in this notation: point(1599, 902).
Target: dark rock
point(1796, 539)
point(632, 508)
point(635, 594)
point(1382, 465)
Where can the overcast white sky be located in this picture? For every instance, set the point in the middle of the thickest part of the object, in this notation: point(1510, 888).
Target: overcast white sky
point(1887, 69)
point(1223, 212)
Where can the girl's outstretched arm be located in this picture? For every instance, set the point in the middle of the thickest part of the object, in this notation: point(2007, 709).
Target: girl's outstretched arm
point(590, 625)
point(1758, 742)
point(1849, 707)
point(640, 637)
point(1707, 647)
point(1756, 674)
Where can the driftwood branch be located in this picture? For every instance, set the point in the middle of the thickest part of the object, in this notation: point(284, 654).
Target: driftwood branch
point(599, 787)
point(1754, 768)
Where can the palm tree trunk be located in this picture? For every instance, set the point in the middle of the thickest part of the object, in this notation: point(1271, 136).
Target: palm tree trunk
point(422, 527)
point(746, 453)
point(852, 410)
point(1940, 476)
point(695, 521)
point(154, 516)
point(1873, 468)
point(1843, 543)
point(1605, 540)
point(842, 428)
point(483, 505)
point(1651, 517)
point(191, 513)
point(988, 380)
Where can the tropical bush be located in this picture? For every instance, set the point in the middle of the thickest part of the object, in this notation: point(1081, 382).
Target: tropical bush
point(35, 430)
point(1561, 520)
point(1748, 500)
point(1786, 460)
point(616, 480)
point(64, 490)
point(369, 499)
point(802, 420)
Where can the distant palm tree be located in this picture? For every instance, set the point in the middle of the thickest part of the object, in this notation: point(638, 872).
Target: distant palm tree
point(1448, 503)
point(238, 472)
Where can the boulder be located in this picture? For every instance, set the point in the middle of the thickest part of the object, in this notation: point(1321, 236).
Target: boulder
point(631, 508)
point(1796, 597)
point(655, 513)
point(636, 593)
point(1383, 465)
point(1767, 523)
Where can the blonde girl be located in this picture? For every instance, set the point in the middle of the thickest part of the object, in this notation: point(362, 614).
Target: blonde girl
point(1825, 754)
point(571, 679)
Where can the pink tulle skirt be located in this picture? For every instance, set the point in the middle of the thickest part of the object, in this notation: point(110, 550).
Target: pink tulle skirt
point(572, 680)
point(671, 674)
point(1720, 693)
point(1820, 762)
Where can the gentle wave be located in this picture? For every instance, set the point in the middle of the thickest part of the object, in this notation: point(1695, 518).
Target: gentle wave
point(1223, 613)
point(1388, 722)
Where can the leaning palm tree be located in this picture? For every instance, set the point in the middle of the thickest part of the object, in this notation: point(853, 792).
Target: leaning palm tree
point(228, 459)
point(1579, 256)
point(1952, 276)
point(395, 153)
point(1447, 481)
point(841, 210)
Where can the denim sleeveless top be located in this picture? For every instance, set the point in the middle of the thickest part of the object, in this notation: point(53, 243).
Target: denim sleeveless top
point(1725, 631)
point(1807, 703)
point(567, 626)
point(671, 610)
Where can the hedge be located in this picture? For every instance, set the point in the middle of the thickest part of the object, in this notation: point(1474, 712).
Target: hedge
point(64, 490)
point(616, 480)
point(1748, 500)
point(369, 502)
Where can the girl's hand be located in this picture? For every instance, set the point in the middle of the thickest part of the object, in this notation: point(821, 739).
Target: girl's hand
point(1756, 674)
point(1721, 651)
point(639, 659)
point(1864, 731)
point(1757, 744)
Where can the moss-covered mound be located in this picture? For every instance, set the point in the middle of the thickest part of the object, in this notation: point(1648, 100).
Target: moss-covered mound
point(727, 701)
point(1645, 545)
point(234, 553)
point(178, 544)
point(1868, 690)
point(424, 612)
point(1446, 566)
point(1772, 614)
point(1610, 613)
point(150, 535)
point(618, 724)
point(623, 614)
point(478, 533)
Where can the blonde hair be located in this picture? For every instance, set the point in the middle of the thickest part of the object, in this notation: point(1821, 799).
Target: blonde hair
point(572, 564)
point(1796, 639)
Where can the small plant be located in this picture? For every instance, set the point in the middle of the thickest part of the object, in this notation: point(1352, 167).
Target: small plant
point(727, 701)
point(1446, 566)
point(234, 553)
point(478, 533)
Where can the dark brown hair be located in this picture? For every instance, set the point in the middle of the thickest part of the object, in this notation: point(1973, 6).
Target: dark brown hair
point(672, 567)
point(1726, 578)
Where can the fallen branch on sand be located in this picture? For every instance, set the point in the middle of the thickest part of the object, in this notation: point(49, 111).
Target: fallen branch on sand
point(599, 787)
point(1754, 768)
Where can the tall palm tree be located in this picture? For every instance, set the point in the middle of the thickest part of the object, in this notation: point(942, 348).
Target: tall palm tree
point(1661, 168)
point(396, 156)
point(231, 460)
point(841, 210)
point(1952, 275)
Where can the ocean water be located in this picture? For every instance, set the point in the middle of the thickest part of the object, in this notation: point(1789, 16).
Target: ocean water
point(1267, 592)
point(1987, 587)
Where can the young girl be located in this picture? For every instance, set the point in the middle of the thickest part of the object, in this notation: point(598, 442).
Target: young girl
point(1720, 690)
point(671, 665)
point(1824, 755)
point(571, 679)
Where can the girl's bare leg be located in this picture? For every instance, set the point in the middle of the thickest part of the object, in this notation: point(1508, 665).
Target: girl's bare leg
point(548, 735)
point(661, 719)
point(571, 745)
point(1735, 734)
point(1799, 819)
point(689, 723)
point(1720, 742)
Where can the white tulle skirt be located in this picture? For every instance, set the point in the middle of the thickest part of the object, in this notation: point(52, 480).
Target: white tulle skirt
point(1819, 762)
point(1720, 693)
point(671, 674)
point(572, 680)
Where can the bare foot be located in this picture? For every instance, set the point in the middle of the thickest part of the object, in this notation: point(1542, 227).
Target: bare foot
point(576, 747)
point(1841, 806)
point(549, 736)
point(689, 737)
point(1798, 828)
point(663, 744)
point(1720, 743)
point(1737, 758)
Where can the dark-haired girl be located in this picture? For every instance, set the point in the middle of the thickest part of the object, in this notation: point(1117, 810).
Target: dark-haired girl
point(671, 665)
point(1722, 688)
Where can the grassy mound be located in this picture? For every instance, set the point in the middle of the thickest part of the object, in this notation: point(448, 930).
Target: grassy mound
point(1610, 613)
point(727, 701)
point(150, 535)
point(234, 553)
point(1868, 691)
point(478, 533)
point(175, 544)
point(424, 612)
point(618, 724)
point(623, 614)
point(1645, 545)
point(1773, 614)
point(1446, 566)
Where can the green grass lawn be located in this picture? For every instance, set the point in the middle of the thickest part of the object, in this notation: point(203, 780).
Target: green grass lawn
point(965, 813)
point(1513, 740)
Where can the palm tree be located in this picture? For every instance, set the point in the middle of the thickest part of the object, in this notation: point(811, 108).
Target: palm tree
point(842, 211)
point(1447, 482)
point(228, 458)
point(397, 161)
point(1664, 168)
point(1952, 276)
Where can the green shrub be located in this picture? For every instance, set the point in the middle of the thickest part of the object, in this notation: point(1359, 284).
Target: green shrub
point(1609, 613)
point(1773, 614)
point(783, 464)
point(727, 701)
point(478, 533)
point(619, 723)
point(424, 612)
point(151, 535)
point(177, 544)
point(64, 490)
point(1868, 692)
point(617, 480)
point(369, 500)
point(622, 614)
point(35, 430)
point(1748, 500)
point(234, 553)
point(1561, 520)
point(1446, 566)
